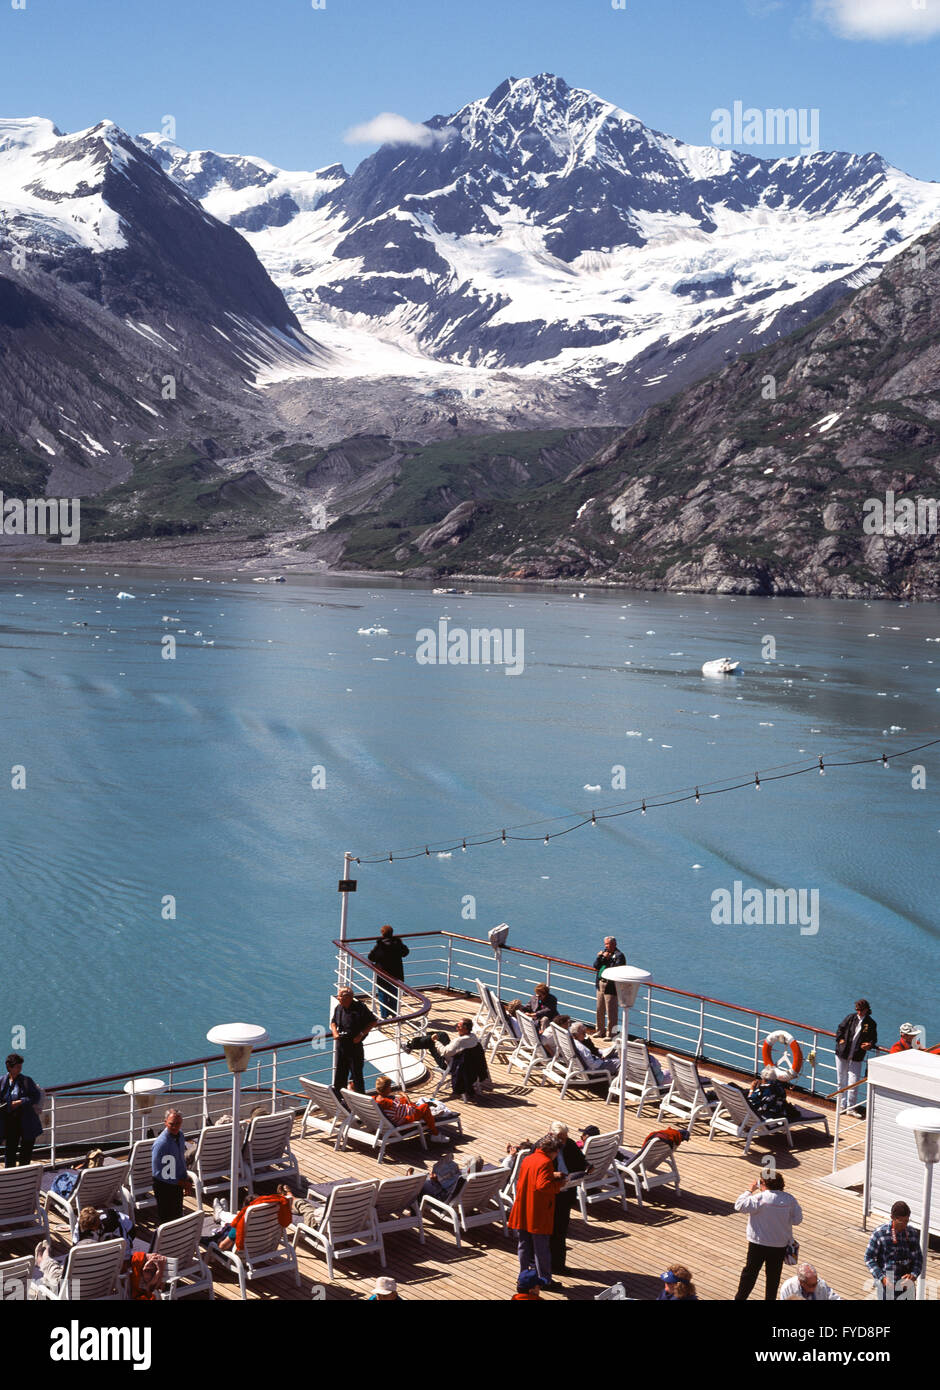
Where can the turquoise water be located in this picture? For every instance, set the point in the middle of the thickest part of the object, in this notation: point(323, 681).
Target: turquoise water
point(149, 778)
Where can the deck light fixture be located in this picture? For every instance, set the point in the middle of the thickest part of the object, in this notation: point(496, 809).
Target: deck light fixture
point(144, 1090)
point(628, 979)
point(237, 1041)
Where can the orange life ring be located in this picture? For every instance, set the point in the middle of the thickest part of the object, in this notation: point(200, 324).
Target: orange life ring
point(789, 1068)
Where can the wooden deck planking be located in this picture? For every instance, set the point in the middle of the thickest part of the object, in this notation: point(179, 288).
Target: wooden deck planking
point(698, 1228)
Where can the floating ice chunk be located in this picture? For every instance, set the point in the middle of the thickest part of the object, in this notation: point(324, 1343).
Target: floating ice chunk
point(122, 594)
point(444, 854)
point(588, 788)
point(634, 733)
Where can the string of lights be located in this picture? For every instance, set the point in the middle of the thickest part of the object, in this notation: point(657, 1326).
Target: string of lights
point(639, 806)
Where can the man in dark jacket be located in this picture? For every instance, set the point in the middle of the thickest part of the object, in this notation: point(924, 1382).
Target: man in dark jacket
point(856, 1035)
point(20, 1125)
point(569, 1159)
point(388, 954)
point(606, 989)
point(350, 1023)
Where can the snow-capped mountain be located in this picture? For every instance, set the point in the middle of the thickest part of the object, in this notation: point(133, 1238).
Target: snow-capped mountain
point(125, 309)
point(542, 230)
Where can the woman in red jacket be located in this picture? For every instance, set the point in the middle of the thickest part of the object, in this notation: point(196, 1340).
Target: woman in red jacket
point(533, 1211)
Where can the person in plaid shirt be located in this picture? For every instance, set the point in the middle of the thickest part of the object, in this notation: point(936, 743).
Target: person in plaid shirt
point(894, 1255)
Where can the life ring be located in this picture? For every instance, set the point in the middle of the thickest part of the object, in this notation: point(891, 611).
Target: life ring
point(789, 1067)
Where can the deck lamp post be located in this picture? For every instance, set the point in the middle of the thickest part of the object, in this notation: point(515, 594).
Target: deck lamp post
point(628, 979)
point(144, 1090)
point(925, 1123)
point(497, 937)
point(237, 1041)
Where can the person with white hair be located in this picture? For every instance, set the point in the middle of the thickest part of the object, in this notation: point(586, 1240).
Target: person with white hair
point(768, 1095)
point(807, 1284)
point(590, 1054)
point(570, 1161)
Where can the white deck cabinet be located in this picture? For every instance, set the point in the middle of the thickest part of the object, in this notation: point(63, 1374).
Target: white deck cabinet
point(893, 1172)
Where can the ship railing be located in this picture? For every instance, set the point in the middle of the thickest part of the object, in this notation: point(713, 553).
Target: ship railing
point(99, 1113)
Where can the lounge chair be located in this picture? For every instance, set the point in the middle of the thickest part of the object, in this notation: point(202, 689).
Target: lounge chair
point(687, 1097)
point(96, 1187)
point(508, 1191)
point(211, 1169)
point(602, 1179)
point(137, 1194)
point(22, 1215)
point(324, 1113)
point(566, 1067)
point(529, 1054)
point(640, 1085)
point(496, 1035)
point(616, 1292)
point(736, 1116)
point(397, 1205)
point(268, 1156)
point(477, 1202)
point(16, 1279)
point(92, 1273)
point(178, 1240)
point(267, 1250)
point(347, 1226)
point(654, 1165)
point(370, 1125)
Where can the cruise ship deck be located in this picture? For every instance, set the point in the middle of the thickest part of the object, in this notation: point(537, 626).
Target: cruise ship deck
point(698, 1227)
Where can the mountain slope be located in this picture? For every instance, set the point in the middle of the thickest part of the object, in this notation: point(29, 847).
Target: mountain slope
point(755, 480)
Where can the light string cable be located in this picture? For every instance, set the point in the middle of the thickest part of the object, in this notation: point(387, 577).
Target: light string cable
point(640, 805)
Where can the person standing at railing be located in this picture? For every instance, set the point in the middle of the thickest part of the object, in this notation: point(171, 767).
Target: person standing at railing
point(168, 1167)
point(606, 989)
point(20, 1122)
point(350, 1023)
point(388, 954)
point(856, 1035)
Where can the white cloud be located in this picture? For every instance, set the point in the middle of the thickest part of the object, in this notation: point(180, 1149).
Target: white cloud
point(389, 129)
point(881, 19)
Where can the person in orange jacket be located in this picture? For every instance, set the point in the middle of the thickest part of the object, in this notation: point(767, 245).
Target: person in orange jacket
point(533, 1211)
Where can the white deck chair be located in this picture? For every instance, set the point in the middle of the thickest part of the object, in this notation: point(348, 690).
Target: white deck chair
point(324, 1113)
point(641, 1085)
point(211, 1169)
point(654, 1165)
point(137, 1194)
point(508, 1190)
point(96, 1187)
point(616, 1293)
point(22, 1215)
point(477, 1202)
point(735, 1115)
point(16, 1279)
point(92, 1273)
point(267, 1250)
point(347, 1226)
point(178, 1240)
point(566, 1068)
point(370, 1125)
point(397, 1205)
point(687, 1096)
point(484, 1014)
point(529, 1054)
point(602, 1179)
point(268, 1155)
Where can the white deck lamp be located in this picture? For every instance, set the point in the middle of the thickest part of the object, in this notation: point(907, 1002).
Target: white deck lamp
point(925, 1123)
point(144, 1090)
point(497, 937)
point(628, 979)
point(237, 1041)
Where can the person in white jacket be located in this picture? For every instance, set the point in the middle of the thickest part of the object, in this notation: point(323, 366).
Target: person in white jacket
point(771, 1216)
point(807, 1284)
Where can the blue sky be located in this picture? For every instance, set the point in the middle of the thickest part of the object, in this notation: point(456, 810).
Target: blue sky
point(281, 79)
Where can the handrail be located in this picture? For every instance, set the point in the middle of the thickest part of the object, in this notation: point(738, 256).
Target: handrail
point(392, 980)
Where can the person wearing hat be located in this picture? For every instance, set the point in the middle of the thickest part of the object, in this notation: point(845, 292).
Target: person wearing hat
point(677, 1284)
point(856, 1035)
point(910, 1038)
point(385, 1290)
point(588, 1132)
point(528, 1287)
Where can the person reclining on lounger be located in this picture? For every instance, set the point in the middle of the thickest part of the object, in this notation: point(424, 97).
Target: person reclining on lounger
point(590, 1055)
point(232, 1236)
point(768, 1097)
point(399, 1110)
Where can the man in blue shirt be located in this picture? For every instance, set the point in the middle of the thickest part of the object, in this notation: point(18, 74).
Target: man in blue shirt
point(894, 1255)
point(168, 1166)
